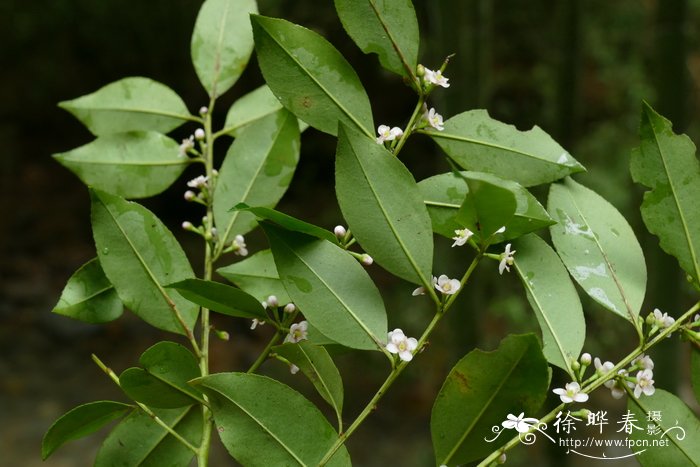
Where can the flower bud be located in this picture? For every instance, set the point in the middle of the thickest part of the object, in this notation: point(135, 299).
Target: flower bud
point(290, 308)
point(586, 359)
point(189, 195)
point(502, 459)
point(187, 225)
point(575, 365)
point(199, 134)
point(223, 335)
point(420, 70)
point(366, 260)
point(272, 301)
point(340, 232)
point(203, 110)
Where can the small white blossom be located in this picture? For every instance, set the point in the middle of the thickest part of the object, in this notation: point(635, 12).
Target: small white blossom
point(239, 246)
point(199, 134)
point(446, 285)
point(521, 423)
point(418, 291)
point(616, 386)
point(462, 236)
point(434, 119)
point(198, 182)
point(185, 146)
point(388, 134)
point(256, 322)
point(272, 301)
point(290, 308)
point(398, 343)
point(644, 362)
point(571, 393)
point(506, 259)
point(293, 369)
point(297, 332)
point(662, 319)
point(366, 260)
point(436, 77)
point(602, 368)
point(645, 383)
point(340, 232)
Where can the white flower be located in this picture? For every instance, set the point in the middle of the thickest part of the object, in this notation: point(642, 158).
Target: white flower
point(462, 236)
point(506, 259)
point(198, 182)
point(290, 308)
point(185, 146)
point(434, 119)
point(644, 362)
point(571, 393)
point(402, 345)
point(645, 383)
point(520, 423)
point(446, 285)
point(239, 246)
point(436, 77)
point(340, 232)
point(418, 291)
point(388, 134)
point(602, 368)
point(663, 320)
point(293, 369)
point(256, 322)
point(297, 332)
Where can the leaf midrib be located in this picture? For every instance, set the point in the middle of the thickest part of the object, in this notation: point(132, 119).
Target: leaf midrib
point(394, 42)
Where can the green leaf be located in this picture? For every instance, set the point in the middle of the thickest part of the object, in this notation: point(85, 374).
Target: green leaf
point(487, 207)
point(79, 422)
point(131, 165)
point(666, 163)
point(599, 248)
point(678, 426)
point(263, 423)
point(479, 393)
point(258, 276)
point(385, 211)
point(475, 141)
point(139, 442)
point(288, 222)
point(331, 287)
point(310, 77)
point(315, 362)
point(388, 28)
point(130, 104)
point(257, 170)
point(222, 42)
point(554, 299)
point(89, 296)
point(695, 371)
point(139, 256)
point(252, 107)
point(444, 194)
point(162, 383)
point(221, 298)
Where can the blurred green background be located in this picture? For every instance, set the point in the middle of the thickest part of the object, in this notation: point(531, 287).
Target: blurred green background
point(577, 68)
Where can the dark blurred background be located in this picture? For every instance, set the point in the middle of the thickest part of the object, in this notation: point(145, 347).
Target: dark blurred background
point(577, 68)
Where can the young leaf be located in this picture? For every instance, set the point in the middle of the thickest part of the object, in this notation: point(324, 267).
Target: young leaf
point(487, 208)
point(677, 425)
point(222, 42)
point(480, 391)
point(310, 77)
point(598, 247)
point(388, 28)
point(130, 104)
point(289, 222)
point(221, 298)
point(252, 107)
point(258, 276)
point(380, 201)
point(257, 170)
point(139, 256)
point(444, 194)
point(553, 298)
point(138, 441)
point(79, 422)
point(475, 141)
point(162, 383)
point(315, 362)
point(666, 163)
point(333, 289)
point(259, 419)
point(89, 296)
point(131, 165)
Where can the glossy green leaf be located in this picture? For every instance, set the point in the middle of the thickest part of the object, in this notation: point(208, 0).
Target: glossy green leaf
point(487, 208)
point(331, 287)
point(479, 393)
point(475, 141)
point(221, 298)
point(162, 382)
point(252, 107)
point(89, 296)
point(695, 371)
point(310, 77)
point(222, 42)
point(554, 299)
point(678, 426)
point(131, 165)
point(258, 276)
point(385, 211)
point(289, 222)
point(388, 28)
point(444, 194)
point(130, 104)
point(139, 256)
point(598, 247)
point(263, 423)
point(79, 422)
point(666, 163)
point(139, 442)
point(257, 171)
point(317, 365)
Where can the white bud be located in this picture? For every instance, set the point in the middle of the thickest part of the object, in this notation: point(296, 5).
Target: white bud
point(264, 304)
point(293, 369)
point(203, 110)
point(272, 301)
point(340, 232)
point(214, 232)
point(290, 308)
point(586, 359)
point(187, 225)
point(189, 195)
point(199, 134)
point(367, 260)
point(502, 458)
